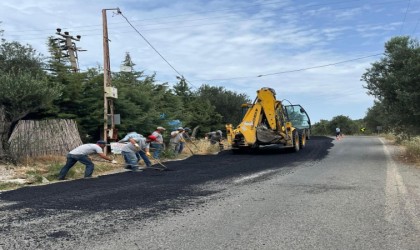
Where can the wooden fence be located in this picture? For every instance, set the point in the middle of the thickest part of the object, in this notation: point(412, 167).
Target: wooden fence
point(46, 137)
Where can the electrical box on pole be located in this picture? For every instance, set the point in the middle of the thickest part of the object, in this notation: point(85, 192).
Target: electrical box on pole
point(111, 92)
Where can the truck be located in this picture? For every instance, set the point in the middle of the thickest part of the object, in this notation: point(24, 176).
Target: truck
point(267, 121)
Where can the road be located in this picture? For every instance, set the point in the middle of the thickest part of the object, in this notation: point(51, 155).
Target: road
point(346, 194)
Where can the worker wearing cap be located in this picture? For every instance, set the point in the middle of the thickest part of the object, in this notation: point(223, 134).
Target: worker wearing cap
point(158, 143)
point(131, 135)
point(216, 137)
point(81, 153)
point(138, 147)
point(177, 140)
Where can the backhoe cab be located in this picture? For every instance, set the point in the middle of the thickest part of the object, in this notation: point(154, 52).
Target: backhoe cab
point(266, 122)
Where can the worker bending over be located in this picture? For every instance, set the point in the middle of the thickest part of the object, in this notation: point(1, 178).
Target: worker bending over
point(81, 153)
point(138, 147)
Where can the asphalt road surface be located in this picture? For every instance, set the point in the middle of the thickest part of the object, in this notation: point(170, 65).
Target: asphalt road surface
point(346, 194)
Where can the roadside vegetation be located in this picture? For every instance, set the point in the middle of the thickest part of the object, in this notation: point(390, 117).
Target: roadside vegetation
point(411, 146)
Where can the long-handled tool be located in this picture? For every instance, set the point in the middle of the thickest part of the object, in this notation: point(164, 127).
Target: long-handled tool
point(186, 145)
point(157, 160)
point(189, 138)
point(160, 163)
point(140, 167)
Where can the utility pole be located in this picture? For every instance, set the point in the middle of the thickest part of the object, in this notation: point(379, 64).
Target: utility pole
point(70, 47)
point(110, 93)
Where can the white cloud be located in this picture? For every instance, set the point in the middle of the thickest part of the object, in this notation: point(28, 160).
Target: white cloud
point(229, 39)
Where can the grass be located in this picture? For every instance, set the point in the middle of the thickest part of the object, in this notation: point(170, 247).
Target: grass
point(411, 153)
point(10, 185)
point(412, 150)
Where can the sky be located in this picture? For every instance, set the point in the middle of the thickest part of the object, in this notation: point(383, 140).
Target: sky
point(312, 53)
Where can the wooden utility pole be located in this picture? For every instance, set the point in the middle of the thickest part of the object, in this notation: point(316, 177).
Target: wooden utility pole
point(70, 47)
point(108, 97)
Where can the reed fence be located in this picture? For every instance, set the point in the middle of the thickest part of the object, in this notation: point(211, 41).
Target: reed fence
point(46, 137)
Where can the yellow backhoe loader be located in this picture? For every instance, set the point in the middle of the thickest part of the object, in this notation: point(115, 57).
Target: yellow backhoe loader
point(267, 122)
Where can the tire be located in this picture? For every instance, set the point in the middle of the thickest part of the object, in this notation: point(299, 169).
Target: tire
point(308, 134)
point(302, 139)
point(296, 141)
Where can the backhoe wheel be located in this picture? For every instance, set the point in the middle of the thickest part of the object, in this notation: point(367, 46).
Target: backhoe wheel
point(302, 140)
point(308, 134)
point(296, 144)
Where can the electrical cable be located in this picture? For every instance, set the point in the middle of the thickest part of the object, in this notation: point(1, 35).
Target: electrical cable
point(291, 71)
point(405, 16)
point(144, 38)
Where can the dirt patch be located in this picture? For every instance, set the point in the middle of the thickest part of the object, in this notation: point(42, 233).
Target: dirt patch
point(7, 172)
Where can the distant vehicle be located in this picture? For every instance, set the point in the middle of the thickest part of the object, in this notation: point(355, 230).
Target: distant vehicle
point(267, 122)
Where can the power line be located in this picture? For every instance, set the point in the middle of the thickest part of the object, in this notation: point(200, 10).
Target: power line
point(405, 16)
point(144, 38)
point(321, 66)
point(291, 71)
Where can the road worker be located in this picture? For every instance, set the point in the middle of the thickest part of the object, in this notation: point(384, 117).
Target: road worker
point(138, 147)
point(81, 153)
point(157, 145)
point(215, 137)
point(178, 140)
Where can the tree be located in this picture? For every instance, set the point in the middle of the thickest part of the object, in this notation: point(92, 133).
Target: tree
point(200, 112)
point(394, 81)
point(346, 125)
point(182, 90)
point(227, 103)
point(25, 88)
point(321, 128)
point(376, 117)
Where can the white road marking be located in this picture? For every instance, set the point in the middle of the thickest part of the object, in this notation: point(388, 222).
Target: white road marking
point(253, 176)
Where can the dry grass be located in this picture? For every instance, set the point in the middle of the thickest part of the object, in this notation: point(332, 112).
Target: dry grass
point(411, 148)
point(201, 147)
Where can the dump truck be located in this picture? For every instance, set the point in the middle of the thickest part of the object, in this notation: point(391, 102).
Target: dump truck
point(266, 122)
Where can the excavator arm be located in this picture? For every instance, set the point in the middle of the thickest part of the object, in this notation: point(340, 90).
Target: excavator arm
point(263, 123)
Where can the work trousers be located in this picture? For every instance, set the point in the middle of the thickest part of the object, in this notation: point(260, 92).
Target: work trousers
point(71, 160)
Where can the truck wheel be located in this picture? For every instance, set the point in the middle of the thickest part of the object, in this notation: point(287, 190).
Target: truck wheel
point(296, 144)
point(302, 140)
